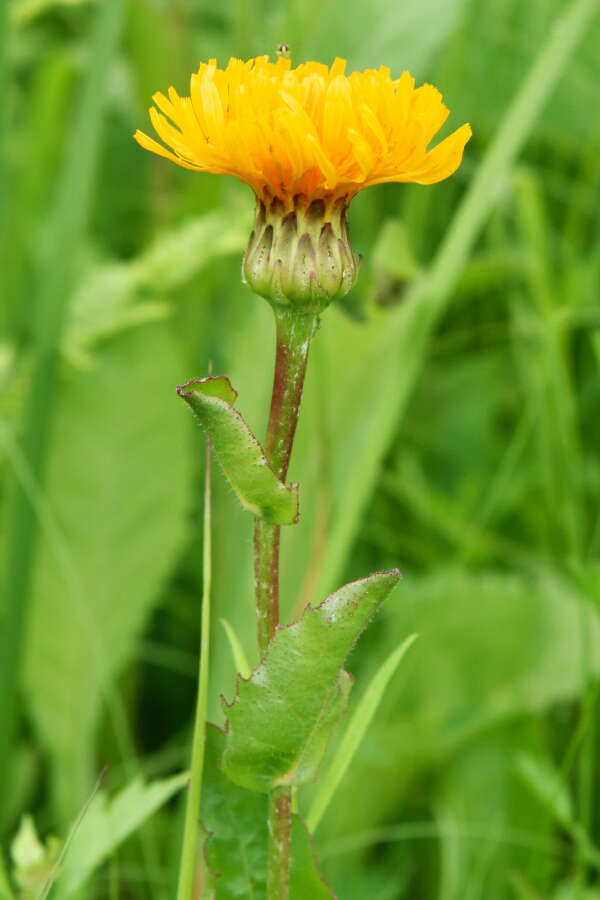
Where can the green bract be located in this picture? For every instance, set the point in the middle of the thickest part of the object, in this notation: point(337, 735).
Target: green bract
point(302, 257)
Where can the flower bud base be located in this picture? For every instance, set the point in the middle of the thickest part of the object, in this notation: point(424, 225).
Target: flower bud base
point(302, 257)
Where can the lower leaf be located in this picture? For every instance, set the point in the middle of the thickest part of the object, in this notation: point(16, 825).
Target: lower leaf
point(236, 846)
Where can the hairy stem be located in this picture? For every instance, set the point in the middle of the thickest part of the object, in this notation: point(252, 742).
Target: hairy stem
point(280, 840)
point(294, 334)
point(295, 330)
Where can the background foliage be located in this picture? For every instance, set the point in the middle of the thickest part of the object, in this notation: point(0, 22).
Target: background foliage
point(469, 460)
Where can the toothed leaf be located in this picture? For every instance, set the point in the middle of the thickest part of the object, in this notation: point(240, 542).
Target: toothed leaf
point(281, 719)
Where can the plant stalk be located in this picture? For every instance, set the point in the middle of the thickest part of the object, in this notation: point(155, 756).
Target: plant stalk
point(295, 330)
point(188, 865)
point(280, 843)
point(294, 334)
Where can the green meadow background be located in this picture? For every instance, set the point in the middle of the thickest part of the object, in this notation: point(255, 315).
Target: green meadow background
point(450, 426)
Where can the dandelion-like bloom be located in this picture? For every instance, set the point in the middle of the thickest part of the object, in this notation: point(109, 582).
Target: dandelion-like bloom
point(306, 140)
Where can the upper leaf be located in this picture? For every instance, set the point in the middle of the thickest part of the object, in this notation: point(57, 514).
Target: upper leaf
point(281, 719)
point(241, 456)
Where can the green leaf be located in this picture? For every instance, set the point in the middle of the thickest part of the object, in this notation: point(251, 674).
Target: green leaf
point(236, 820)
point(115, 310)
point(522, 888)
point(548, 785)
point(116, 296)
point(571, 889)
point(179, 255)
point(333, 710)
point(5, 889)
point(280, 720)
point(239, 453)
point(108, 822)
point(354, 733)
point(305, 877)
point(550, 788)
point(450, 700)
point(236, 849)
point(113, 522)
point(23, 12)
point(58, 252)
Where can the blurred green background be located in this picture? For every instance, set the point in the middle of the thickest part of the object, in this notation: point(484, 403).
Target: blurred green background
point(450, 426)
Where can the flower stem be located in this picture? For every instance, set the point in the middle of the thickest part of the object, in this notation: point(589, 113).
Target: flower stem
point(294, 333)
point(188, 865)
point(280, 840)
point(295, 330)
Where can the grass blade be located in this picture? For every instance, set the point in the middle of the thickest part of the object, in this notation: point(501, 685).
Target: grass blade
point(239, 657)
point(355, 731)
point(188, 865)
point(57, 866)
point(4, 26)
point(407, 331)
point(516, 127)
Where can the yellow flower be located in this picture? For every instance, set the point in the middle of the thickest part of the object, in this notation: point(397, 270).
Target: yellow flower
point(306, 140)
point(311, 130)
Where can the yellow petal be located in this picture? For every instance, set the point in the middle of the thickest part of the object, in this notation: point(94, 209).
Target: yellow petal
point(312, 128)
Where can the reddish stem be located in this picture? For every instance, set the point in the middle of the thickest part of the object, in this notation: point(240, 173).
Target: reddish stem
point(294, 334)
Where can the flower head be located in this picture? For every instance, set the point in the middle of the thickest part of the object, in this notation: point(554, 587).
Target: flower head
point(306, 140)
point(311, 130)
